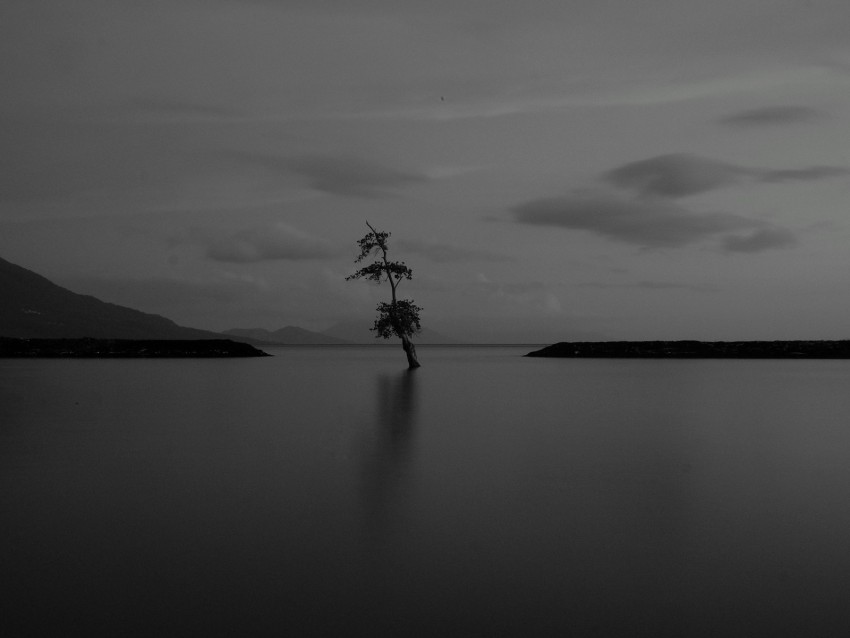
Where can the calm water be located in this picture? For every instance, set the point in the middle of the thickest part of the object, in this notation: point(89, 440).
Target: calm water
point(328, 491)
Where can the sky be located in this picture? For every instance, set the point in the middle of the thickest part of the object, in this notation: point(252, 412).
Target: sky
point(550, 169)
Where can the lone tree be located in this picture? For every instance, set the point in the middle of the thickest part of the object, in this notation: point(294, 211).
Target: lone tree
point(400, 317)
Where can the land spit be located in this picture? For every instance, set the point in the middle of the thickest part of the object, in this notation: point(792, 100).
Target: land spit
point(698, 349)
point(125, 348)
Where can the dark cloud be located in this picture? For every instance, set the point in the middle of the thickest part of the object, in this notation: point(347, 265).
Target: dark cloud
point(350, 176)
point(645, 213)
point(771, 115)
point(344, 176)
point(654, 285)
point(674, 175)
point(654, 223)
point(267, 243)
point(649, 223)
point(443, 253)
point(802, 174)
point(759, 240)
point(681, 174)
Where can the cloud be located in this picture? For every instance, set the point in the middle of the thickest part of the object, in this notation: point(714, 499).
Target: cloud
point(759, 240)
point(343, 176)
point(350, 176)
point(650, 223)
point(443, 253)
point(802, 174)
point(482, 283)
point(654, 285)
point(646, 213)
point(771, 116)
point(674, 175)
point(269, 243)
point(682, 174)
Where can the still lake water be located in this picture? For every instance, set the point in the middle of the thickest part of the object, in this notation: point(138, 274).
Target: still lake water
point(329, 491)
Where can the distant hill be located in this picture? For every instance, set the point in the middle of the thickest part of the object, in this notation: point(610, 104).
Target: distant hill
point(33, 307)
point(358, 332)
point(290, 335)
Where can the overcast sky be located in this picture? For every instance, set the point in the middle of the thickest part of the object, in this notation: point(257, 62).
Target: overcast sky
point(551, 170)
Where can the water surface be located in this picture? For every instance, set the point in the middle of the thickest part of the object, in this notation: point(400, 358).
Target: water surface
point(329, 491)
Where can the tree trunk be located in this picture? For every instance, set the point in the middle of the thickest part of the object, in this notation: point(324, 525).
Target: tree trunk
point(410, 351)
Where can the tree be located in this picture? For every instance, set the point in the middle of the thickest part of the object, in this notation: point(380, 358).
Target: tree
point(399, 317)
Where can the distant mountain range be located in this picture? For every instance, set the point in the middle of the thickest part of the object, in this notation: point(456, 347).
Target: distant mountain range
point(33, 307)
point(348, 332)
point(290, 335)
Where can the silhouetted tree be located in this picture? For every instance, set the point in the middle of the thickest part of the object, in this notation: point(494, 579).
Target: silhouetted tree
point(399, 317)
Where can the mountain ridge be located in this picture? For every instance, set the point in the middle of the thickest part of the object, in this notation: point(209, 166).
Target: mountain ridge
point(33, 307)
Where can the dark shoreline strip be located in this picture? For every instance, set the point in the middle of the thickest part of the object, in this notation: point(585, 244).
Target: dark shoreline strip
point(698, 349)
point(125, 348)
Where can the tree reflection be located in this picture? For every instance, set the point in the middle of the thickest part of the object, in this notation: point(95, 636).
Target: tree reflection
point(389, 453)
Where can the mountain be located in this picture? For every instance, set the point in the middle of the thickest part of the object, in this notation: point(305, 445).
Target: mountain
point(358, 332)
point(33, 307)
point(290, 335)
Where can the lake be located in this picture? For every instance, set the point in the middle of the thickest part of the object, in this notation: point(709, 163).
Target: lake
point(328, 491)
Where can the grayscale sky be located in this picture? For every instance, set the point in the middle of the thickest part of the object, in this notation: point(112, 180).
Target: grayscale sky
point(551, 170)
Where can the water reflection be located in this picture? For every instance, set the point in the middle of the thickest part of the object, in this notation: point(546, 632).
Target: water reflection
point(389, 451)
